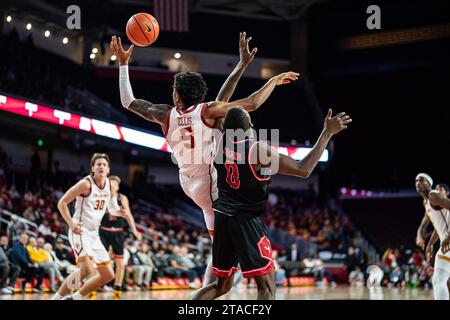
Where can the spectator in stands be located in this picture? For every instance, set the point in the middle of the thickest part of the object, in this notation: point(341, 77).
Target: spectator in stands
point(13, 269)
point(395, 277)
point(45, 230)
point(135, 266)
point(314, 266)
point(65, 261)
point(181, 268)
point(20, 258)
point(351, 260)
point(147, 264)
point(54, 261)
point(356, 277)
point(42, 258)
point(4, 268)
point(15, 228)
point(188, 261)
point(293, 264)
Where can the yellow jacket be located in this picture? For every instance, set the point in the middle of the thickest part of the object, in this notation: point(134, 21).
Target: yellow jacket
point(37, 255)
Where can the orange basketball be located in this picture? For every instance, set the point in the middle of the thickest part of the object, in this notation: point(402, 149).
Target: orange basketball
point(142, 29)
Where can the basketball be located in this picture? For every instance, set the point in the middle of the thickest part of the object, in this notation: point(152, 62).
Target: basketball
point(142, 29)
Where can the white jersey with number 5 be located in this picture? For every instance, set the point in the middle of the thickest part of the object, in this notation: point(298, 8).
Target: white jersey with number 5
point(89, 210)
point(191, 140)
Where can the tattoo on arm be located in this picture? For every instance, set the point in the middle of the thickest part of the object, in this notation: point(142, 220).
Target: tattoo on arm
point(149, 111)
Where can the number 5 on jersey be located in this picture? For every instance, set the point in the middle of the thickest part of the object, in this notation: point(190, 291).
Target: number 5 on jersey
point(232, 175)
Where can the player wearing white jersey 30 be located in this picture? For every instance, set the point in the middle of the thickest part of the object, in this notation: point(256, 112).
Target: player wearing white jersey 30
point(437, 212)
point(189, 125)
point(93, 197)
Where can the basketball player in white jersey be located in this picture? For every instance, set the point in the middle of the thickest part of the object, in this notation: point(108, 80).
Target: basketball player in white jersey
point(93, 196)
point(437, 212)
point(188, 126)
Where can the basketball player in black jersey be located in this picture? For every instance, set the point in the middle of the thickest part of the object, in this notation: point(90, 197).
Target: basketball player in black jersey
point(112, 232)
point(243, 168)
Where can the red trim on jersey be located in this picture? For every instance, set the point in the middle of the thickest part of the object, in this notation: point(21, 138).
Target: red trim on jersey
point(167, 122)
point(90, 189)
point(259, 272)
point(251, 166)
point(190, 109)
point(224, 273)
point(202, 115)
point(93, 179)
point(443, 218)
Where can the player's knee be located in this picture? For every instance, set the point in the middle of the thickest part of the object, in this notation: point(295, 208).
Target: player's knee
point(108, 275)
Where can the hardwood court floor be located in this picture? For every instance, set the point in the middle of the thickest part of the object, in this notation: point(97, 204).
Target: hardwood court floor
point(298, 293)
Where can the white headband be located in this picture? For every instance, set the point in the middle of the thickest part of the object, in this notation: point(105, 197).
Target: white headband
point(426, 177)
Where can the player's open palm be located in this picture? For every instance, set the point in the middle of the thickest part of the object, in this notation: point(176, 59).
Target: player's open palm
point(286, 77)
point(244, 51)
point(117, 48)
point(337, 123)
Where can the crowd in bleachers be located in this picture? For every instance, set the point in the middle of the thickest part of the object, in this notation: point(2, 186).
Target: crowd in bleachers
point(173, 247)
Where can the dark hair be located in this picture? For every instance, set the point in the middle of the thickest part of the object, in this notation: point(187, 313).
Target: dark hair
point(443, 186)
point(191, 87)
point(236, 119)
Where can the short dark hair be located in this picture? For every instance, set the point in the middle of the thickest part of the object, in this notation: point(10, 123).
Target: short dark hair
point(191, 87)
point(443, 186)
point(236, 119)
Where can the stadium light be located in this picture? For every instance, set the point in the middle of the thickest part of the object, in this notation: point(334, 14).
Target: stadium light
point(94, 50)
point(113, 57)
point(8, 19)
point(92, 56)
point(65, 40)
point(177, 55)
point(47, 33)
point(29, 26)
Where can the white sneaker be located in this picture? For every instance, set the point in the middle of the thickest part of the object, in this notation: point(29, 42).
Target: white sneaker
point(107, 289)
point(5, 291)
point(11, 289)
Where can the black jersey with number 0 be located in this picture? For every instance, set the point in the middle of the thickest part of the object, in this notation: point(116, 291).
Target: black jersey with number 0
point(241, 187)
point(113, 221)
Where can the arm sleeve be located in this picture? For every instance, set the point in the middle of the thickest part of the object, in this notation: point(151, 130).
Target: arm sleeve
point(126, 92)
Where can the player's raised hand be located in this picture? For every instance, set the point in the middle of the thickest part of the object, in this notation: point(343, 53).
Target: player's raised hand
point(286, 77)
point(336, 124)
point(244, 51)
point(117, 48)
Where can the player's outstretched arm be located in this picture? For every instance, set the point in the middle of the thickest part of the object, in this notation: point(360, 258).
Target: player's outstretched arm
point(219, 109)
point(149, 111)
point(438, 200)
point(82, 188)
point(129, 217)
point(245, 58)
